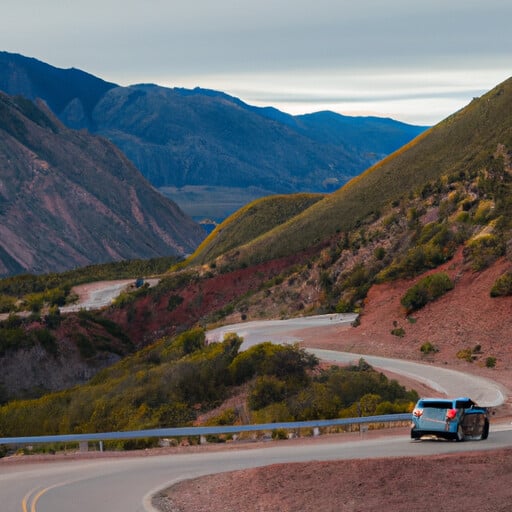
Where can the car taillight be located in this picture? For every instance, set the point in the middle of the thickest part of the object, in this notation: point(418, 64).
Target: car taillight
point(417, 412)
point(451, 413)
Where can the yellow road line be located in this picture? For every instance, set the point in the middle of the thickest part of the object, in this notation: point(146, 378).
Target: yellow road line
point(34, 495)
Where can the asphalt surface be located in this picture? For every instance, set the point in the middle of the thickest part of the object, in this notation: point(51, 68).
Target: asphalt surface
point(127, 484)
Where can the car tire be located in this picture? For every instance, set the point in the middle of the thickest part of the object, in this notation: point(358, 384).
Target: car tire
point(485, 431)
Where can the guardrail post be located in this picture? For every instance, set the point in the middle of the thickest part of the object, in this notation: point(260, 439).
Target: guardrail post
point(202, 440)
point(84, 446)
point(316, 431)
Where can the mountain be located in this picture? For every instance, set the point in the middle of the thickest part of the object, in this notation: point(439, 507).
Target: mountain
point(477, 140)
point(70, 93)
point(181, 138)
point(70, 199)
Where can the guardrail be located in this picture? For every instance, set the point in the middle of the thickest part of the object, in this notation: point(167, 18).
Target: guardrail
point(204, 431)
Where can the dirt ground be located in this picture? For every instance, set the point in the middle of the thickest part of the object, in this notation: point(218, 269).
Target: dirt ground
point(476, 481)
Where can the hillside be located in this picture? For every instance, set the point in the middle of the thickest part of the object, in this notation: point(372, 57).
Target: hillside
point(207, 142)
point(251, 221)
point(471, 141)
point(70, 199)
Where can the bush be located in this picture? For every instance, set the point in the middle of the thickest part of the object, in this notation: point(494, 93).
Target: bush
point(466, 354)
point(265, 391)
point(483, 251)
point(502, 287)
point(428, 348)
point(47, 341)
point(490, 362)
point(426, 290)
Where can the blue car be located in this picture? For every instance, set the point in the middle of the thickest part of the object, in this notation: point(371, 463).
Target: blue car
point(457, 419)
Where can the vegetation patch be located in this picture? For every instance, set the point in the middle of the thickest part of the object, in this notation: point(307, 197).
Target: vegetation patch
point(483, 250)
point(426, 290)
point(170, 383)
point(502, 287)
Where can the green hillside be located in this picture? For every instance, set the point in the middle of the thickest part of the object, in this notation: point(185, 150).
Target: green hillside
point(252, 221)
point(463, 143)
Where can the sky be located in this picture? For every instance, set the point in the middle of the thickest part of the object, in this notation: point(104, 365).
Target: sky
point(416, 62)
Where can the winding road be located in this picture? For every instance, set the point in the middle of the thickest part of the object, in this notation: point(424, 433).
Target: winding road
point(127, 484)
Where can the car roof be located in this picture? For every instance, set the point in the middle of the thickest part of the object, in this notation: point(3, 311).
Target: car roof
point(444, 399)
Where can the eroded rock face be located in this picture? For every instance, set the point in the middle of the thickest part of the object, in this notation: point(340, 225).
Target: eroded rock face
point(69, 199)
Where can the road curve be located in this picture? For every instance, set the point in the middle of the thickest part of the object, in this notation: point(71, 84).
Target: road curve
point(450, 382)
point(127, 484)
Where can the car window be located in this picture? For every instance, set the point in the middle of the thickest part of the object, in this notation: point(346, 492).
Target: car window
point(464, 404)
point(435, 404)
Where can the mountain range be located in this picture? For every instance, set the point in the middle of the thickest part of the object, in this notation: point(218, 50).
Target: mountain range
point(204, 148)
point(69, 199)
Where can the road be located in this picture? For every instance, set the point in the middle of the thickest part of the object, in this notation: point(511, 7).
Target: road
point(450, 382)
point(126, 484)
point(100, 294)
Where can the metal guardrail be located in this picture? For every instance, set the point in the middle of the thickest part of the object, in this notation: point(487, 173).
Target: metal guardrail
point(203, 431)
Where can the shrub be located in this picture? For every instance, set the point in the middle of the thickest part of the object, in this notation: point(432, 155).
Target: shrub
point(483, 251)
point(174, 301)
point(265, 391)
point(7, 304)
point(466, 354)
point(47, 341)
point(428, 348)
point(426, 290)
point(490, 362)
point(502, 287)
point(398, 331)
point(379, 253)
point(279, 434)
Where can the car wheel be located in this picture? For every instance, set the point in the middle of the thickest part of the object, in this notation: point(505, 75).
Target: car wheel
point(460, 434)
point(485, 431)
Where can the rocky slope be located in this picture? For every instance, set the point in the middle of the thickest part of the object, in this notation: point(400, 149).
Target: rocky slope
point(70, 199)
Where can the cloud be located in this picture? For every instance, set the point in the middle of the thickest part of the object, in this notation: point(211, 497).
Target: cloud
point(392, 56)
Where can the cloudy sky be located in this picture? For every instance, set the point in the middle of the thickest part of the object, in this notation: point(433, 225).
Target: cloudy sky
point(414, 61)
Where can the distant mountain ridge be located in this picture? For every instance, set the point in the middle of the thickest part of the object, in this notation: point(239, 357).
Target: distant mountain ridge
point(180, 137)
point(69, 199)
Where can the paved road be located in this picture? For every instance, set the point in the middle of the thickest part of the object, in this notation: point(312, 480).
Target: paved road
point(102, 294)
point(125, 485)
point(279, 331)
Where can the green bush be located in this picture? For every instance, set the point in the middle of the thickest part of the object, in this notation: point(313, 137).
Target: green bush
point(47, 341)
point(483, 251)
point(426, 290)
point(398, 331)
point(266, 390)
point(502, 287)
point(490, 362)
point(428, 348)
point(7, 304)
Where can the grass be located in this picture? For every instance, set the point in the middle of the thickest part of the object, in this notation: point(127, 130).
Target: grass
point(458, 145)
